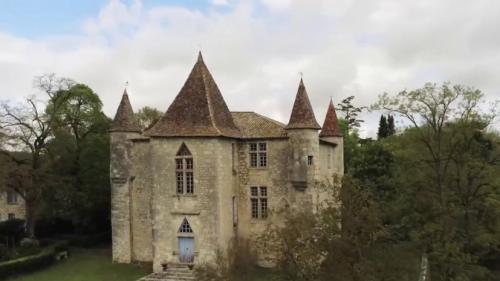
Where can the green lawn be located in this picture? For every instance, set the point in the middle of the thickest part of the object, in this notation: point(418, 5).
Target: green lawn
point(86, 265)
point(95, 265)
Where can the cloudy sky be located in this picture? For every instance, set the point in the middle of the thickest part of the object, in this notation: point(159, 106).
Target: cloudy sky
point(254, 49)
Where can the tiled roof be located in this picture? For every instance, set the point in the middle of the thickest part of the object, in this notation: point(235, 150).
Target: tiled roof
point(331, 126)
point(254, 126)
point(198, 110)
point(124, 119)
point(302, 116)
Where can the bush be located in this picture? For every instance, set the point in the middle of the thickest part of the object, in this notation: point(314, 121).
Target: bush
point(12, 230)
point(29, 243)
point(87, 241)
point(237, 264)
point(31, 263)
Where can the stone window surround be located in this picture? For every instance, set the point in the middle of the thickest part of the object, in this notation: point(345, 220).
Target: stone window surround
point(184, 174)
point(259, 200)
point(259, 151)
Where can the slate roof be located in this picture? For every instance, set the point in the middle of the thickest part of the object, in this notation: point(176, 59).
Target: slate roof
point(256, 126)
point(124, 118)
point(198, 110)
point(302, 116)
point(331, 127)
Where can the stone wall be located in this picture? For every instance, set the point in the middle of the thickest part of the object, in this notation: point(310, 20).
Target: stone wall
point(147, 212)
point(18, 208)
point(120, 168)
point(141, 190)
point(274, 177)
point(208, 210)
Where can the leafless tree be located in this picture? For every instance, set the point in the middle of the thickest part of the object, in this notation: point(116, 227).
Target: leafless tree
point(28, 127)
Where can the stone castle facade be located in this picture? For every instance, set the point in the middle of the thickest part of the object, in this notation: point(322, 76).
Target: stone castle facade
point(202, 176)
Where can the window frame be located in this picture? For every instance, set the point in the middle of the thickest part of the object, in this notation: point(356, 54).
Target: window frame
point(184, 172)
point(310, 160)
point(259, 202)
point(12, 194)
point(258, 155)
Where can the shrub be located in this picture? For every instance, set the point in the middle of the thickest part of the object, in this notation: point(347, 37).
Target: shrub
point(33, 262)
point(29, 243)
point(86, 241)
point(236, 264)
point(12, 230)
point(4, 252)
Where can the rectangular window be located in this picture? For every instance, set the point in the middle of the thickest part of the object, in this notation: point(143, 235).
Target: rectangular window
point(309, 160)
point(189, 164)
point(189, 183)
point(263, 208)
point(184, 167)
point(255, 208)
point(180, 182)
point(11, 197)
point(258, 200)
point(11, 216)
point(178, 164)
point(258, 155)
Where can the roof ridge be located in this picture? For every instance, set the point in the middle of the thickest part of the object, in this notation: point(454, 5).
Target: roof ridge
point(272, 120)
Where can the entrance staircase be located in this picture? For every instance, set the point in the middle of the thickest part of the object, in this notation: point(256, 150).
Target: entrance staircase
point(174, 272)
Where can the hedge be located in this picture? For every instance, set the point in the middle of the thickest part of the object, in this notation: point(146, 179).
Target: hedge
point(31, 263)
point(87, 241)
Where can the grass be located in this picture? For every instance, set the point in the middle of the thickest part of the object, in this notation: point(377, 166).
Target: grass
point(86, 265)
point(96, 265)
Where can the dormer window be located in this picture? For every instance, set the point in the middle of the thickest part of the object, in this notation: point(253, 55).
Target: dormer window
point(258, 155)
point(184, 171)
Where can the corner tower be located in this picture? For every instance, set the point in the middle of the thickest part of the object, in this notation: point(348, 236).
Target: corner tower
point(123, 128)
point(331, 133)
point(302, 130)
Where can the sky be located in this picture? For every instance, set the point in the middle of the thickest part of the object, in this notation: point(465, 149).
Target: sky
point(255, 50)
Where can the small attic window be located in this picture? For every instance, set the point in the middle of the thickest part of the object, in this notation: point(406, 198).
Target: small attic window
point(185, 227)
point(310, 161)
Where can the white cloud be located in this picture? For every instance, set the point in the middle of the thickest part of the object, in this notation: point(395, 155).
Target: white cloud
point(255, 51)
point(220, 2)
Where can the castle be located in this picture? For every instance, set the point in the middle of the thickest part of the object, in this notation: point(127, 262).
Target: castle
point(201, 176)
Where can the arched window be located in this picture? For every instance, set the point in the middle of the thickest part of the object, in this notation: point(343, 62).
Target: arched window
point(185, 227)
point(184, 171)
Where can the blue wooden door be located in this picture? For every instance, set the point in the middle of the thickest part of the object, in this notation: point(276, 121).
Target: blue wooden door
point(186, 249)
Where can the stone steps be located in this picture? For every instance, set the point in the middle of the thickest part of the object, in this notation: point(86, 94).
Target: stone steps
point(173, 273)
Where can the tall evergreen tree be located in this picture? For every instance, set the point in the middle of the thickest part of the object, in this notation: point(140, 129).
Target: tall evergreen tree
point(391, 128)
point(383, 129)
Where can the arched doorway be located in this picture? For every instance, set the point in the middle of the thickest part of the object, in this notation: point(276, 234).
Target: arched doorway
point(186, 242)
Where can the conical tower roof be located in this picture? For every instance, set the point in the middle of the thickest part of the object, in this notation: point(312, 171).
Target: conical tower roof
point(331, 127)
point(124, 118)
point(198, 110)
point(302, 116)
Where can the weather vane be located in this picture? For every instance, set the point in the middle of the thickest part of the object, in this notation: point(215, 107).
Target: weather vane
point(126, 84)
point(301, 74)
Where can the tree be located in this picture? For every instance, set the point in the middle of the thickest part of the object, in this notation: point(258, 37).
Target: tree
point(383, 129)
point(29, 127)
point(351, 113)
point(147, 116)
point(391, 128)
point(446, 167)
point(79, 153)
